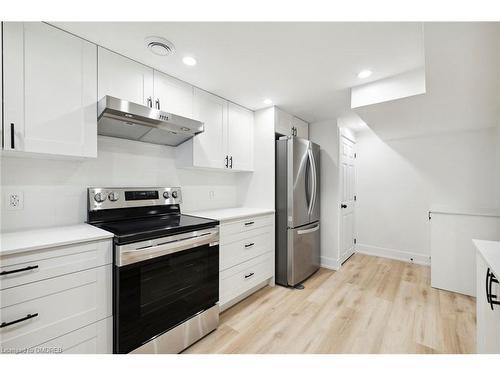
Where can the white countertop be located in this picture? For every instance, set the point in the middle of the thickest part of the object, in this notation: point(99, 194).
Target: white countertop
point(490, 251)
point(36, 239)
point(464, 211)
point(231, 213)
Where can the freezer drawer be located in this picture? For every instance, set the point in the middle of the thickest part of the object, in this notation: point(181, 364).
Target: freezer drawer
point(303, 252)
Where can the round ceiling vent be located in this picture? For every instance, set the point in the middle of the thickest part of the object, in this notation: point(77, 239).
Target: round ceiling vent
point(160, 46)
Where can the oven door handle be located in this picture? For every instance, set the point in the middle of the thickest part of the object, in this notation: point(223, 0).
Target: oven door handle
point(133, 253)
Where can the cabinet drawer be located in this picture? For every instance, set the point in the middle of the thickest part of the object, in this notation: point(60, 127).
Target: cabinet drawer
point(63, 304)
point(237, 280)
point(44, 264)
point(226, 239)
point(240, 251)
point(243, 226)
point(95, 338)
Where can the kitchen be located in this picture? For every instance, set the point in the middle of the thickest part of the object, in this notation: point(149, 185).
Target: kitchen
point(154, 208)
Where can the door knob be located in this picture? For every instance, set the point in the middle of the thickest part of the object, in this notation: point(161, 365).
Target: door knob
point(343, 205)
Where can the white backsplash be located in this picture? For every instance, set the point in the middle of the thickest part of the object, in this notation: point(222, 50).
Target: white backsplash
point(55, 190)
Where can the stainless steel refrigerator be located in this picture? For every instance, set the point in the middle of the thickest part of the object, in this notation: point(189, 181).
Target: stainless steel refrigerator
point(297, 210)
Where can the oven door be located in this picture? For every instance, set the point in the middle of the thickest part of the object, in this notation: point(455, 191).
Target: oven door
point(162, 283)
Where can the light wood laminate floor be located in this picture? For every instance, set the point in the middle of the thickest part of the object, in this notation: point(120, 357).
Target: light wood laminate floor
point(372, 305)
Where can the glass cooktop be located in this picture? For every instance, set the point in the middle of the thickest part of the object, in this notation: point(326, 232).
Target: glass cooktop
point(140, 229)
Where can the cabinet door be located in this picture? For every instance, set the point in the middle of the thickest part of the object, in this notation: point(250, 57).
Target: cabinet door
point(488, 320)
point(302, 128)
point(172, 95)
point(240, 138)
point(50, 91)
point(209, 149)
point(283, 122)
point(124, 78)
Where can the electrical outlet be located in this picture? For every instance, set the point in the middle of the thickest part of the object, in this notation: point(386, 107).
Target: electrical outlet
point(15, 201)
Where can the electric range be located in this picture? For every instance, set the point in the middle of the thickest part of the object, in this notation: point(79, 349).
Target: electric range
point(166, 268)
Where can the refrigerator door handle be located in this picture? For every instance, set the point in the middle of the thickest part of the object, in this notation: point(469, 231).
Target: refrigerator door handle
point(316, 187)
point(313, 171)
point(310, 230)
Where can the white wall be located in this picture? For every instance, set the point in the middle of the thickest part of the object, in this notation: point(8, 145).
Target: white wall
point(436, 149)
point(55, 190)
point(398, 181)
point(325, 134)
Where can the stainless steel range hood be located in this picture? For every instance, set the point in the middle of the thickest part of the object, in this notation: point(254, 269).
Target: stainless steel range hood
point(122, 119)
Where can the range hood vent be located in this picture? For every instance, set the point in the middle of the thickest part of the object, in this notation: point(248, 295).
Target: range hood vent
point(122, 119)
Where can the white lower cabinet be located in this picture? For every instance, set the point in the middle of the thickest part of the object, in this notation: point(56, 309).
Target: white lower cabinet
point(58, 300)
point(96, 338)
point(487, 315)
point(246, 257)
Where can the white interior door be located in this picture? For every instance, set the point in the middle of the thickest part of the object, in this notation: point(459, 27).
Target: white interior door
point(347, 197)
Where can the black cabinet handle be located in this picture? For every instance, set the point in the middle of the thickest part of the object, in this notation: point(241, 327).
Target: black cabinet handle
point(157, 103)
point(249, 223)
point(150, 102)
point(18, 270)
point(249, 275)
point(231, 162)
point(487, 285)
point(249, 245)
point(490, 279)
point(12, 136)
point(343, 206)
point(227, 160)
point(29, 316)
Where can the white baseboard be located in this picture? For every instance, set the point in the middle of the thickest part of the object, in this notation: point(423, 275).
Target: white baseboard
point(404, 256)
point(330, 263)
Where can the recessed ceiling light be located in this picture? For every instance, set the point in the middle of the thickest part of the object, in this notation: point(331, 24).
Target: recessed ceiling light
point(188, 60)
point(268, 101)
point(160, 46)
point(364, 73)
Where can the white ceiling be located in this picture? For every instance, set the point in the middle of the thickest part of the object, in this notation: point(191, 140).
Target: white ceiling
point(462, 63)
point(305, 68)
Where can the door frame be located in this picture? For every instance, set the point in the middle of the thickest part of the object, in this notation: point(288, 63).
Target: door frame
point(348, 134)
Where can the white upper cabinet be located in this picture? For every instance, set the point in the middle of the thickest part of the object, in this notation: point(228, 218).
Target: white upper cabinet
point(209, 147)
point(124, 78)
point(240, 138)
point(283, 122)
point(286, 124)
point(50, 91)
point(227, 141)
point(172, 95)
point(301, 128)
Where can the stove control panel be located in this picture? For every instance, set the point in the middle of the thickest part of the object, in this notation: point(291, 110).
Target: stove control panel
point(109, 198)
